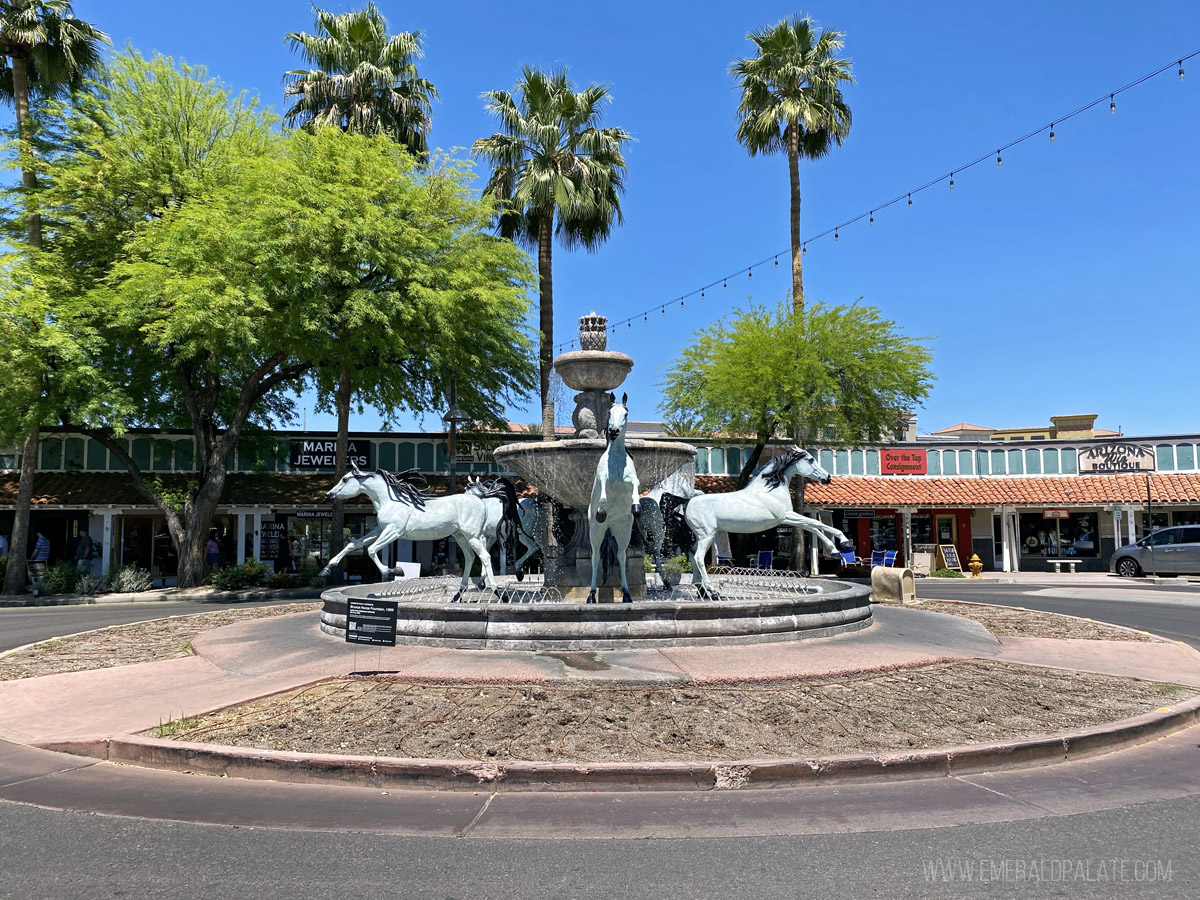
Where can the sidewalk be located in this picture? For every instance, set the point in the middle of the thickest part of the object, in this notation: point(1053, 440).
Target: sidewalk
point(204, 594)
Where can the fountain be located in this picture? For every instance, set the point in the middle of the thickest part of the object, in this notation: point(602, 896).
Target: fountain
point(758, 605)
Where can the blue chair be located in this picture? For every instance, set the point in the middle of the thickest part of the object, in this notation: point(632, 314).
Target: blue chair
point(766, 559)
point(877, 557)
point(889, 558)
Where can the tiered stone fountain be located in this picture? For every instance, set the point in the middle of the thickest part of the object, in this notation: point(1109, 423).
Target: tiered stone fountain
point(565, 470)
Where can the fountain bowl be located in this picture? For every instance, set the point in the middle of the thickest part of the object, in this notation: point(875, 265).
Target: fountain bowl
point(593, 370)
point(566, 469)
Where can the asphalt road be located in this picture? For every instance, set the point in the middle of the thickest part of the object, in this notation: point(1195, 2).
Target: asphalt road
point(1148, 850)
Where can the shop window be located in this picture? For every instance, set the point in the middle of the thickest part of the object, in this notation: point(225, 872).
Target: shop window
point(1185, 456)
point(184, 458)
point(702, 461)
point(387, 456)
point(922, 531)
point(97, 456)
point(733, 461)
point(872, 462)
point(51, 454)
point(827, 461)
point(1050, 461)
point(443, 458)
point(1073, 537)
point(883, 533)
point(73, 454)
point(1033, 462)
point(406, 456)
point(425, 457)
point(949, 462)
point(716, 460)
point(998, 466)
point(10, 461)
point(163, 454)
point(1016, 465)
point(1165, 454)
point(965, 458)
point(981, 463)
point(841, 459)
point(1068, 461)
point(1186, 517)
point(933, 462)
point(856, 462)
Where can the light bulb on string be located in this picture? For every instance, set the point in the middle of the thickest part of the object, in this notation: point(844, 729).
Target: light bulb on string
point(835, 235)
point(702, 295)
point(1052, 132)
point(629, 325)
point(663, 310)
point(910, 201)
point(1181, 70)
point(681, 303)
point(951, 181)
point(804, 249)
point(645, 317)
point(777, 262)
point(724, 284)
point(749, 274)
point(1112, 103)
point(872, 217)
point(999, 161)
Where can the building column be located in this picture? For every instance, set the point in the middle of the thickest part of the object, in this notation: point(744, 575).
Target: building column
point(1129, 524)
point(106, 540)
point(241, 538)
point(1116, 520)
point(257, 535)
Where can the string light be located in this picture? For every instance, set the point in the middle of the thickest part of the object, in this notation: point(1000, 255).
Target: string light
point(749, 274)
point(1112, 106)
point(681, 303)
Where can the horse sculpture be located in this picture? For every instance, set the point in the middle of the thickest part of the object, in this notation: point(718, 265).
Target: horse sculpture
point(503, 511)
point(764, 503)
point(405, 509)
point(614, 500)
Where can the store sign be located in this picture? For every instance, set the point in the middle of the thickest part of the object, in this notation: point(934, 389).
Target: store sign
point(272, 534)
point(314, 514)
point(858, 514)
point(321, 454)
point(1056, 514)
point(902, 462)
point(1117, 458)
point(472, 450)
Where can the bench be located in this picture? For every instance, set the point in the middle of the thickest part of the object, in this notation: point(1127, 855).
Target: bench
point(1059, 563)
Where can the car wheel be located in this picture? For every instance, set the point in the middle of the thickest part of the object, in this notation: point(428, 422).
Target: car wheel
point(1128, 568)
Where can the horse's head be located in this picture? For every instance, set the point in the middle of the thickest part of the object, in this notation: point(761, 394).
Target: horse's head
point(806, 466)
point(618, 418)
point(351, 485)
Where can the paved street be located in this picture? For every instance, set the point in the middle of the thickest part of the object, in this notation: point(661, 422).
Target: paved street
point(1143, 847)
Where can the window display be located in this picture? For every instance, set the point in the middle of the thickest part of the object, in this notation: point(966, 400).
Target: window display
point(883, 533)
point(1074, 536)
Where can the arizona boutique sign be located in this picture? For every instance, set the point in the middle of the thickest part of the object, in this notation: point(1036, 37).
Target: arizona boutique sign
point(1117, 458)
point(322, 454)
point(902, 462)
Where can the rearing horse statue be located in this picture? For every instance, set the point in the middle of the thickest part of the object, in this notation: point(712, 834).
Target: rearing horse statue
point(614, 500)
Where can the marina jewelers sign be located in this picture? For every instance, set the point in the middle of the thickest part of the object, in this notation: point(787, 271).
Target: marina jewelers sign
point(322, 454)
point(1116, 458)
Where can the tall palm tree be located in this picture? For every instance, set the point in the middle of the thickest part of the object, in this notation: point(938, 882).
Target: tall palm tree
point(362, 80)
point(792, 103)
point(554, 171)
point(45, 52)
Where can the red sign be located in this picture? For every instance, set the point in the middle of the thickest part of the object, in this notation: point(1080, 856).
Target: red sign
point(902, 462)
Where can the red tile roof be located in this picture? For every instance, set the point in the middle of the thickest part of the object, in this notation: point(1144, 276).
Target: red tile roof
point(963, 426)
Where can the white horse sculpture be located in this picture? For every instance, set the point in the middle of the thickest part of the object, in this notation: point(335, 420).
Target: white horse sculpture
point(764, 503)
point(504, 512)
point(406, 510)
point(614, 500)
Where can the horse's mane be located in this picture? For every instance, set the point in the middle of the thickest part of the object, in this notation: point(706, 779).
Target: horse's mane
point(774, 472)
point(408, 486)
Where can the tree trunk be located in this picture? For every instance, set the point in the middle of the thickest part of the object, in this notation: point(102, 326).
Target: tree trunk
point(793, 155)
point(18, 547)
point(337, 522)
point(197, 526)
point(546, 322)
point(33, 221)
point(751, 464)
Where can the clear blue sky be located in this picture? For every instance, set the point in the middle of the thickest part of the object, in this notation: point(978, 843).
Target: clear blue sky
point(1064, 282)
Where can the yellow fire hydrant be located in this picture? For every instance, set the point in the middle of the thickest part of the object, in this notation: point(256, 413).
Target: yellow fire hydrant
point(975, 565)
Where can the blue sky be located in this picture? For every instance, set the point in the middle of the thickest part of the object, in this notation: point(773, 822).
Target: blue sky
point(1063, 282)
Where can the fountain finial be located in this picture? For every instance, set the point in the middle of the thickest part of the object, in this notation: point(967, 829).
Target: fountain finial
point(593, 370)
point(593, 332)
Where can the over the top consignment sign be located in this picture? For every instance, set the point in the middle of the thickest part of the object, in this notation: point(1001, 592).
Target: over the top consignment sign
point(1116, 458)
point(902, 462)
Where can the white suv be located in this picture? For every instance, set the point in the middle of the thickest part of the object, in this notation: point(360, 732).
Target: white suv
point(1168, 551)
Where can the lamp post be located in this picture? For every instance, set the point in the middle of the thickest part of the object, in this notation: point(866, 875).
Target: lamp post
point(454, 417)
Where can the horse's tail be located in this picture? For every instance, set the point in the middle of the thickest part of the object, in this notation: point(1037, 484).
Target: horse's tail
point(511, 516)
point(675, 525)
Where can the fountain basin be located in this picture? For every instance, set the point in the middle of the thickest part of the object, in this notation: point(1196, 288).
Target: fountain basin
point(593, 370)
point(566, 470)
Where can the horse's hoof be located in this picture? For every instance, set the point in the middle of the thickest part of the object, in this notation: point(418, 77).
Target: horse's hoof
point(520, 575)
point(717, 597)
point(626, 598)
point(456, 597)
point(636, 510)
point(591, 597)
point(601, 515)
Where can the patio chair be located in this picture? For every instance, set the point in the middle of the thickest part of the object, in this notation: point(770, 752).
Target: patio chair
point(766, 559)
point(877, 557)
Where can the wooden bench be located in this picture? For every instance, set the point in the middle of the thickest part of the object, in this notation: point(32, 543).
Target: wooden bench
point(1059, 563)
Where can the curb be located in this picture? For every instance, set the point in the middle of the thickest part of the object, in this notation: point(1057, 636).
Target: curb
point(441, 774)
point(214, 597)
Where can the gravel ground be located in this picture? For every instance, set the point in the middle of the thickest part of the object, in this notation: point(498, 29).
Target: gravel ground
point(123, 645)
point(1004, 620)
point(938, 705)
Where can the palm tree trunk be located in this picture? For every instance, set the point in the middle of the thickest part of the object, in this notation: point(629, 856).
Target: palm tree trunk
point(33, 221)
point(546, 321)
point(18, 547)
point(793, 155)
point(337, 523)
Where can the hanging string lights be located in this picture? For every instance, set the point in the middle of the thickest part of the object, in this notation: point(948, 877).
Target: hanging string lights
point(908, 195)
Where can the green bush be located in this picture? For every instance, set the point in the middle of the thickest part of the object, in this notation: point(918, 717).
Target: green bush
point(251, 573)
point(61, 578)
point(92, 584)
point(130, 580)
point(946, 573)
point(672, 565)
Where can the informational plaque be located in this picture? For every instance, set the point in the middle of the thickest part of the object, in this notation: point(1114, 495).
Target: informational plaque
point(950, 556)
point(371, 622)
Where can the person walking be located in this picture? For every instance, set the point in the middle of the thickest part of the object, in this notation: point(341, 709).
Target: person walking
point(41, 549)
point(85, 551)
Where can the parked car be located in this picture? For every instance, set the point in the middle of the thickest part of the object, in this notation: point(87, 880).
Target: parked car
point(1168, 551)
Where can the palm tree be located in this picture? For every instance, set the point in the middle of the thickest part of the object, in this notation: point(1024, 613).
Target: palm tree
point(45, 52)
point(362, 80)
point(792, 102)
point(554, 171)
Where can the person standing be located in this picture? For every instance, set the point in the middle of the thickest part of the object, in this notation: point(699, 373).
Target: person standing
point(85, 551)
point(212, 551)
point(3, 545)
point(41, 549)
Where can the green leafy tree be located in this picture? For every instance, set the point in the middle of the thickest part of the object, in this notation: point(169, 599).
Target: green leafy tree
point(45, 52)
point(362, 79)
point(555, 171)
point(824, 374)
point(792, 103)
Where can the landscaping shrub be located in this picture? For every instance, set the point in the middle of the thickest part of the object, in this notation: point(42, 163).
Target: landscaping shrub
point(251, 573)
point(130, 580)
point(61, 578)
point(92, 584)
point(946, 573)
